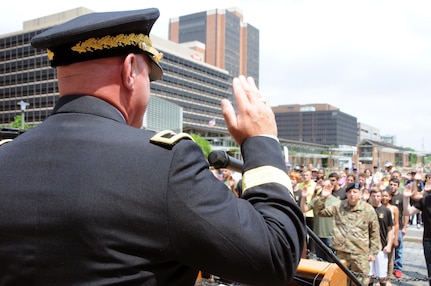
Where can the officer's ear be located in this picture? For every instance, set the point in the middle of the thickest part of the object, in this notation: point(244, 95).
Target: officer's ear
point(130, 71)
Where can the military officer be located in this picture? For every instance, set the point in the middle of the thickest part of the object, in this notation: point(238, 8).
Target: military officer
point(356, 236)
point(89, 198)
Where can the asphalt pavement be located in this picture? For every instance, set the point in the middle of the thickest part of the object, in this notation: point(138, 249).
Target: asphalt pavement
point(414, 266)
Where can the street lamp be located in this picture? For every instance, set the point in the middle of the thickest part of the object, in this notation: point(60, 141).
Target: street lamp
point(23, 105)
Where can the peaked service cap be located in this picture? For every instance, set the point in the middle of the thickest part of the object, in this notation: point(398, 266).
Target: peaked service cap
point(102, 35)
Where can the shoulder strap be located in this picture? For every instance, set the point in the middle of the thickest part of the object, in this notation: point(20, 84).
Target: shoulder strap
point(168, 138)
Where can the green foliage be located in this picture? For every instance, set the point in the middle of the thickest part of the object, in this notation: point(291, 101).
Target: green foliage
point(204, 144)
point(413, 158)
point(427, 160)
point(17, 123)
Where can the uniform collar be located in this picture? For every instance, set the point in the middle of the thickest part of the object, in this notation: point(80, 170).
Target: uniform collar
point(80, 103)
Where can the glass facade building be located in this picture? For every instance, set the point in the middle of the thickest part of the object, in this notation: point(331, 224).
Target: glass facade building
point(195, 87)
point(230, 43)
point(25, 75)
point(319, 124)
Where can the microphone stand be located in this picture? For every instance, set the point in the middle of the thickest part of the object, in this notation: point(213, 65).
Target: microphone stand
point(331, 254)
point(216, 159)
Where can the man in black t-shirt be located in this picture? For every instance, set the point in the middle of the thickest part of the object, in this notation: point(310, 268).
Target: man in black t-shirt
point(397, 200)
point(379, 267)
point(338, 191)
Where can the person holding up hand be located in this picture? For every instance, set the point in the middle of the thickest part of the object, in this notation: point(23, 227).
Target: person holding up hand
point(323, 226)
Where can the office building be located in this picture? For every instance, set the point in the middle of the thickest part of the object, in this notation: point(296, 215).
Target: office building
point(390, 139)
point(316, 123)
point(169, 116)
point(195, 87)
point(226, 40)
point(368, 132)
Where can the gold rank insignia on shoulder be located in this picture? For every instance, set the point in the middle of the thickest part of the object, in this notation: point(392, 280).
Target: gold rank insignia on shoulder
point(168, 138)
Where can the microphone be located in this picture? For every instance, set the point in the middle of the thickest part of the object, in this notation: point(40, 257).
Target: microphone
point(220, 159)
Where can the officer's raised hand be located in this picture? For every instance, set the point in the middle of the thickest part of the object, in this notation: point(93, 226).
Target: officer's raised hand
point(255, 116)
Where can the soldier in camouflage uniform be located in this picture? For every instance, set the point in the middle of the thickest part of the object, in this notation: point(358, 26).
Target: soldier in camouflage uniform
point(356, 230)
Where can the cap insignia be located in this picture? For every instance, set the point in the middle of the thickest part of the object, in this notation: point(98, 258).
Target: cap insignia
point(121, 40)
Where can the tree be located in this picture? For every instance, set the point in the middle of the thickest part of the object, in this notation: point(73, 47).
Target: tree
point(204, 144)
point(413, 158)
point(17, 123)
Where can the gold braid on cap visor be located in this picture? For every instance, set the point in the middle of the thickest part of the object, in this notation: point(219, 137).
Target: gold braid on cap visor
point(108, 42)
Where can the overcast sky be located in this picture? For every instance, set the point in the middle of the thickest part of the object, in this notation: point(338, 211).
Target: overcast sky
point(370, 58)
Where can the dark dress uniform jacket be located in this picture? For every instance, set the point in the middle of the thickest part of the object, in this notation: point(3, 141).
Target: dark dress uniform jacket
point(87, 200)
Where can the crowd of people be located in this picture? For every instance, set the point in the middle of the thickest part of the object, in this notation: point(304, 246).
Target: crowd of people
point(360, 216)
point(363, 215)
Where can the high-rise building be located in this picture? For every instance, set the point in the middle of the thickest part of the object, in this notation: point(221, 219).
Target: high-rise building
point(226, 40)
point(194, 86)
point(316, 123)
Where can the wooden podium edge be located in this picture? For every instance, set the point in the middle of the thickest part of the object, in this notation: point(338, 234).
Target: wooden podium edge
point(327, 273)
